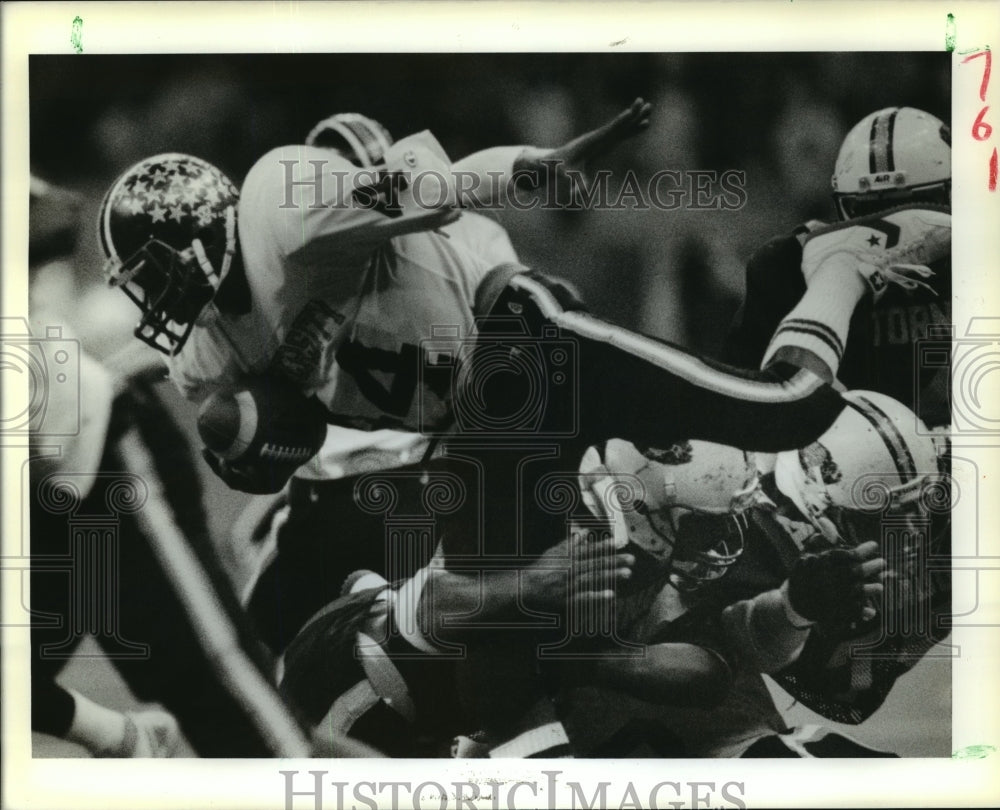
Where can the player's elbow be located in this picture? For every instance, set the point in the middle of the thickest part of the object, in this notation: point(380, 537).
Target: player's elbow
point(806, 414)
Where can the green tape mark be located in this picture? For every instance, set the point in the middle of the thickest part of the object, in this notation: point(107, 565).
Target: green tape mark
point(949, 34)
point(76, 35)
point(974, 752)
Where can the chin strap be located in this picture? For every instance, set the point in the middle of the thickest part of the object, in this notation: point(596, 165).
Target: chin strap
point(227, 259)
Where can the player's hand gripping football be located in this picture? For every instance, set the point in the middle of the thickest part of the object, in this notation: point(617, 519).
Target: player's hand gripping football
point(565, 164)
point(838, 586)
point(577, 572)
point(890, 248)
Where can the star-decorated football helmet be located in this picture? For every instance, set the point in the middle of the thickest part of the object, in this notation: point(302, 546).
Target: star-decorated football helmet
point(876, 462)
point(168, 229)
point(360, 139)
point(681, 508)
point(892, 157)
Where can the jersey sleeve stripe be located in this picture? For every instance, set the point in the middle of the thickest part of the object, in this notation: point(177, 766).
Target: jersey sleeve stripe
point(820, 329)
point(805, 329)
point(686, 366)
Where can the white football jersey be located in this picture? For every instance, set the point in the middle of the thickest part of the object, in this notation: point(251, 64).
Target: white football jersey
point(343, 310)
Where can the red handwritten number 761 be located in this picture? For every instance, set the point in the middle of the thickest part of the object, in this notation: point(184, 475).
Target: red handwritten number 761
point(981, 130)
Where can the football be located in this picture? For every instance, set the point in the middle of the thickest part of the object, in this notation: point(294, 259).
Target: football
point(267, 421)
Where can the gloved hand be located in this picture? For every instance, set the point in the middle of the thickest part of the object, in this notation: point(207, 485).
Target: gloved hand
point(837, 586)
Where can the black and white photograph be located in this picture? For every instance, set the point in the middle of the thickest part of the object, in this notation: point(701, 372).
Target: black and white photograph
point(405, 401)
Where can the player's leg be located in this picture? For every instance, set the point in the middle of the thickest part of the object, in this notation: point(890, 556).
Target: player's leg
point(326, 536)
point(619, 383)
point(204, 663)
point(317, 543)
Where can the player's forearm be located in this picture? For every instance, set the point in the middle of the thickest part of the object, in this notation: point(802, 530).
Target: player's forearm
point(765, 631)
point(813, 335)
point(490, 596)
point(668, 673)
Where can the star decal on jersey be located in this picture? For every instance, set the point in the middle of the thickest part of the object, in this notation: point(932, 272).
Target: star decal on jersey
point(873, 240)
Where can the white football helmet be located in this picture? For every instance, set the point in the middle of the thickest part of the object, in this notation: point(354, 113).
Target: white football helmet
point(655, 499)
point(892, 157)
point(877, 459)
point(362, 140)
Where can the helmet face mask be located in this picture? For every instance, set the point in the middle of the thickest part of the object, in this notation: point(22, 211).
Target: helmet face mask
point(854, 205)
point(708, 545)
point(170, 293)
point(684, 513)
point(168, 229)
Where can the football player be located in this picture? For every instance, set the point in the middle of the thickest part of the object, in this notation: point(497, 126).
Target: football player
point(378, 663)
point(339, 297)
point(755, 569)
point(789, 569)
point(338, 280)
point(111, 486)
point(823, 296)
point(815, 287)
point(306, 569)
point(339, 294)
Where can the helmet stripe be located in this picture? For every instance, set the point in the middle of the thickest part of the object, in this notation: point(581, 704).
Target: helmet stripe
point(890, 161)
point(374, 147)
point(880, 141)
point(871, 146)
point(890, 435)
point(367, 140)
point(351, 138)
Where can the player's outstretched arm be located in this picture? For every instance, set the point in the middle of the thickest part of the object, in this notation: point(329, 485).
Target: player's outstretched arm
point(570, 159)
point(844, 263)
point(484, 177)
point(640, 389)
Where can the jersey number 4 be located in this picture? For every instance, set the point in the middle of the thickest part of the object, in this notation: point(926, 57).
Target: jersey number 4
point(370, 366)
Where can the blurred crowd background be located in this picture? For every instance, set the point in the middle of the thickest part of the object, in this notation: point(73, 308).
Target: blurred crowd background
point(676, 274)
point(778, 117)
